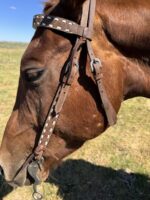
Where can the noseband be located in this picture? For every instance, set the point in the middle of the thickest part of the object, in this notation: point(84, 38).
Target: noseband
point(84, 37)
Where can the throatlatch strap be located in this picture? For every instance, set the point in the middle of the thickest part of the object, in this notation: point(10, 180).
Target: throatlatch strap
point(97, 71)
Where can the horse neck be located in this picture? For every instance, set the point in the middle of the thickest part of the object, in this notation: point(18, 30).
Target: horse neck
point(137, 80)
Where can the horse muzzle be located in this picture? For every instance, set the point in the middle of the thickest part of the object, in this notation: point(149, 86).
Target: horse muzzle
point(20, 180)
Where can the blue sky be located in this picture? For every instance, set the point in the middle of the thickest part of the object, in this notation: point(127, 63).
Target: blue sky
point(16, 19)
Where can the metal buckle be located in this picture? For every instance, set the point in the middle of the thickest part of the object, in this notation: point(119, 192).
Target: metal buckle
point(32, 170)
point(93, 62)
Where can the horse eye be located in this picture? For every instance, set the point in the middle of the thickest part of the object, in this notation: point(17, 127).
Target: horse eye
point(32, 75)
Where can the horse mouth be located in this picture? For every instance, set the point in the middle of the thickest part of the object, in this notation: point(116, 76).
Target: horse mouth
point(20, 183)
point(22, 179)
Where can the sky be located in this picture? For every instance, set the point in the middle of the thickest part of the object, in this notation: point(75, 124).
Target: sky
point(16, 19)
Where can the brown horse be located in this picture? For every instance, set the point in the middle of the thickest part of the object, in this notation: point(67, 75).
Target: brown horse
point(121, 40)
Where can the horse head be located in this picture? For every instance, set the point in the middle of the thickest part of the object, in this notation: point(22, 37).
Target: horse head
point(82, 116)
point(40, 71)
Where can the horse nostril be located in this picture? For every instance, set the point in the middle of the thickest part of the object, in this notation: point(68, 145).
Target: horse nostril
point(1, 171)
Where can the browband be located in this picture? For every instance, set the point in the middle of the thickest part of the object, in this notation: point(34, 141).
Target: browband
point(61, 24)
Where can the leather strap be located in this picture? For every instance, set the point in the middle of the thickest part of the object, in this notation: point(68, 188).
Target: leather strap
point(96, 68)
point(58, 101)
point(61, 24)
point(84, 19)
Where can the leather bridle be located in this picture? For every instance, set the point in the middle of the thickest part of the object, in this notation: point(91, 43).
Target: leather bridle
point(84, 37)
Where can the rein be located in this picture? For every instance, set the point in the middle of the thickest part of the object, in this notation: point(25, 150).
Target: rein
point(84, 37)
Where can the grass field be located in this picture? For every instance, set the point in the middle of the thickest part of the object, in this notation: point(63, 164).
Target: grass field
point(114, 166)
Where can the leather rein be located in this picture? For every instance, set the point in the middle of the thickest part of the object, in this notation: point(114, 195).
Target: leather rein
point(84, 37)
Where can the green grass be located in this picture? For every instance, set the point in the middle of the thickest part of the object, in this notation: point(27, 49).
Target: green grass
point(114, 166)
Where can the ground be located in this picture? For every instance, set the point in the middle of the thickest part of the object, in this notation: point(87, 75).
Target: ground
point(114, 166)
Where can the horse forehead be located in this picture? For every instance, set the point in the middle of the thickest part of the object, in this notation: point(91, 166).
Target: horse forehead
point(53, 50)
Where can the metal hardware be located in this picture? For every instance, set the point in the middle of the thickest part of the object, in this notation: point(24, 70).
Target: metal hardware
point(37, 196)
point(94, 62)
point(33, 168)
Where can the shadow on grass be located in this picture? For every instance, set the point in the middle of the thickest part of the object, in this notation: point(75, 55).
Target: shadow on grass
point(4, 188)
point(81, 180)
